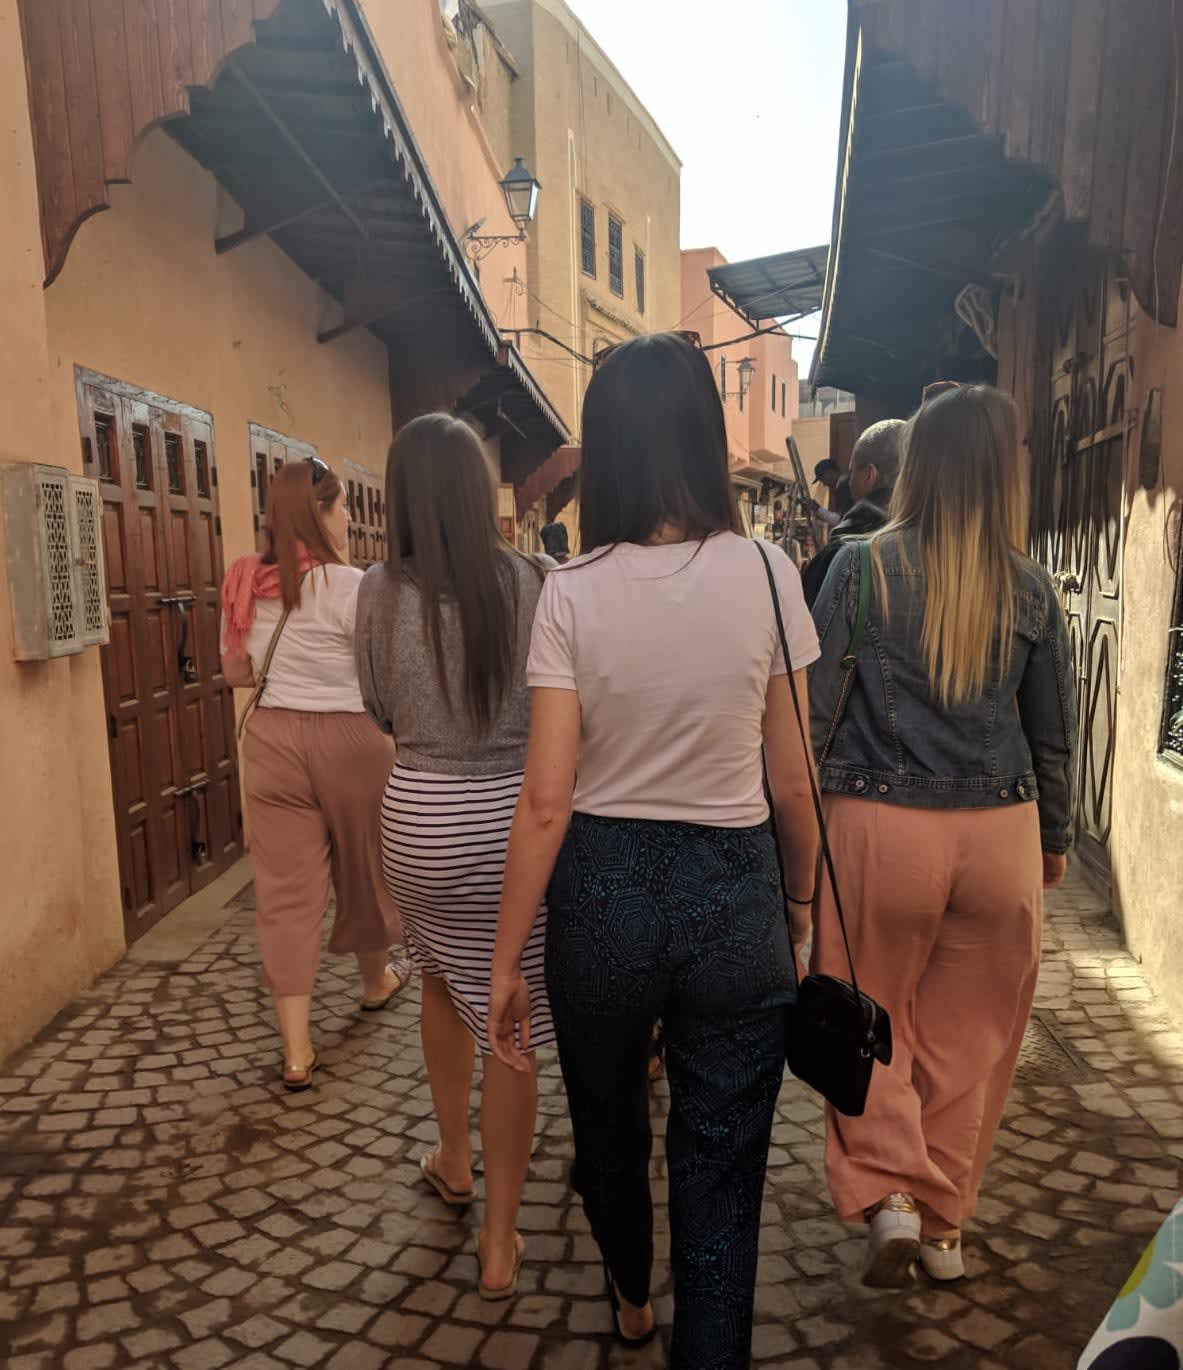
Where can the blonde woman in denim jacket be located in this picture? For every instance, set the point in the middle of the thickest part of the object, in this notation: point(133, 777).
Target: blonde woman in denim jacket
point(948, 780)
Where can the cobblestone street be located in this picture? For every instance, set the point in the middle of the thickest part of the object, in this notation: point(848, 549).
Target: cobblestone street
point(163, 1203)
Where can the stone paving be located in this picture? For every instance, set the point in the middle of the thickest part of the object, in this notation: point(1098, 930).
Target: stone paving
point(163, 1203)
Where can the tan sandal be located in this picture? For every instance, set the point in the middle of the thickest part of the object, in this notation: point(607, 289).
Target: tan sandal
point(402, 970)
point(296, 1079)
point(504, 1291)
point(454, 1198)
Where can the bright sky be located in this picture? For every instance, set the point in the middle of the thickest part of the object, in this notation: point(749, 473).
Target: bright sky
point(749, 93)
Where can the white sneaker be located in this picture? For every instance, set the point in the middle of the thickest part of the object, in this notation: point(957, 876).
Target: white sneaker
point(942, 1259)
point(893, 1243)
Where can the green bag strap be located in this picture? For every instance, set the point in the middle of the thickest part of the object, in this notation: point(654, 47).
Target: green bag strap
point(864, 607)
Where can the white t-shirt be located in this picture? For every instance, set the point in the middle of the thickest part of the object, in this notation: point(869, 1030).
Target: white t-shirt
point(670, 649)
point(313, 669)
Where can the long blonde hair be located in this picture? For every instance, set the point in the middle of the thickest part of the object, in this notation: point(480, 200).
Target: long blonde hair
point(962, 493)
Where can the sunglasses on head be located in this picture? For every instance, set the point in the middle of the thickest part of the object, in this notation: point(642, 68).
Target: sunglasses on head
point(601, 354)
point(320, 469)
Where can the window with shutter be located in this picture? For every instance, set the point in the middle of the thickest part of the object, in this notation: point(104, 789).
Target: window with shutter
point(53, 500)
point(615, 256)
point(88, 557)
point(587, 237)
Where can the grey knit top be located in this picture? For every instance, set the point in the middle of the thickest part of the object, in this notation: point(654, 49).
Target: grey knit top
point(396, 668)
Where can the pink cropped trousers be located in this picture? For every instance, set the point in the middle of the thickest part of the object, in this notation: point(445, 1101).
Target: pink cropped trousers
point(944, 909)
point(314, 785)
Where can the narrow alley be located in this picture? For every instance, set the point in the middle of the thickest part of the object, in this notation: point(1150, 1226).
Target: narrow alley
point(164, 1204)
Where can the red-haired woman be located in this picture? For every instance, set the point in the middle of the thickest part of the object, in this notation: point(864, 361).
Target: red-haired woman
point(316, 765)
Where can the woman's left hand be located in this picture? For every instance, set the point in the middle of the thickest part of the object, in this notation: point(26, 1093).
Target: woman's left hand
point(509, 1019)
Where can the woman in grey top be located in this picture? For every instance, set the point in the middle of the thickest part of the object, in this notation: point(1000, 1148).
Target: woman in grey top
point(443, 630)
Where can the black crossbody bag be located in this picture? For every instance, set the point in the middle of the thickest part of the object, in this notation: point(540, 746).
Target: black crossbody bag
point(834, 1033)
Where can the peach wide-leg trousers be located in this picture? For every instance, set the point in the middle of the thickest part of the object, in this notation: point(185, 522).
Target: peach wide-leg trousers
point(314, 785)
point(944, 910)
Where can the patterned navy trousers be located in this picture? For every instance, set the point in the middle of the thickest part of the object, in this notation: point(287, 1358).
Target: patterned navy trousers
point(686, 924)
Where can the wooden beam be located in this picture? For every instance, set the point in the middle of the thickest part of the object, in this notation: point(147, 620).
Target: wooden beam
point(294, 143)
point(367, 303)
point(250, 231)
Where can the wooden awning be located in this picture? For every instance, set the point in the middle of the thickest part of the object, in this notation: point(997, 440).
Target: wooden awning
point(561, 466)
point(288, 105)
point(961, 124)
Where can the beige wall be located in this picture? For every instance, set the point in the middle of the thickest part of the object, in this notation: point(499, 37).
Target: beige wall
point(60, 922)
point(755, 433)
point(813, 441)
point(585, 133)
point(1148, 791)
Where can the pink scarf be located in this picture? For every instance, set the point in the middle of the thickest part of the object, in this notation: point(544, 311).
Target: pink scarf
point(248, 579)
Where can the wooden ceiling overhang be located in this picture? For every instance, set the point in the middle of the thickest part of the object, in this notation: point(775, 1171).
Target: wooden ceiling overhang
point(288, 105)
point(961, 123)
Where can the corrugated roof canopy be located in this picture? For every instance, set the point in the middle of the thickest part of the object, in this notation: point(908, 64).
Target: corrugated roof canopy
point(785, 284)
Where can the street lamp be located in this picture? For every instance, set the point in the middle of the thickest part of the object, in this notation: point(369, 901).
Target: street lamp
point(746, 369)
point(520, 189)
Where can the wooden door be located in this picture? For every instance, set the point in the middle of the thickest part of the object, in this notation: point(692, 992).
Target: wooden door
point(1079, 489)
point(170, 715)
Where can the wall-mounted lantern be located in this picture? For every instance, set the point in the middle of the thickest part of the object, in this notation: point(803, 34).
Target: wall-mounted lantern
point(520, 189)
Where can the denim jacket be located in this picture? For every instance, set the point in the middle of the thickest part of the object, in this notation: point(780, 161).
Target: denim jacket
point(895, 742)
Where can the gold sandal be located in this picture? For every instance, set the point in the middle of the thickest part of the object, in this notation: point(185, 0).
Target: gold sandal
point(296, 1079)
point(504, 1291)
point(454, 1198)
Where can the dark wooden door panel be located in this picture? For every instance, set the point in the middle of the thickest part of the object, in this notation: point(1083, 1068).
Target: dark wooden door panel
point(1080, 508)
point(170, 710)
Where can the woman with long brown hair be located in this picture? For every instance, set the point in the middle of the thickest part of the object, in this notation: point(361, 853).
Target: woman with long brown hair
point(315, 763)
point(946, 751)
point(443, 633)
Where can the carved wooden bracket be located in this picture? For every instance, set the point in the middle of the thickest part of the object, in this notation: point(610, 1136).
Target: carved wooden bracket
point(102, 74)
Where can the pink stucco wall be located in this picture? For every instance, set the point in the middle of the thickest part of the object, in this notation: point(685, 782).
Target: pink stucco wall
point(757, 432)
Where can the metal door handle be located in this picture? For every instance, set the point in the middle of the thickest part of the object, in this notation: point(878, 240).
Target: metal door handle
point(1068, 583)
point(186, 665)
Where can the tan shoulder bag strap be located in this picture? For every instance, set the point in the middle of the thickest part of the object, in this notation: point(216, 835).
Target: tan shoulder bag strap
point(261, 681)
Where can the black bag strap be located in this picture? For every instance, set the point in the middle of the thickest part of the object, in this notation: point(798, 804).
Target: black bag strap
point(827, 855)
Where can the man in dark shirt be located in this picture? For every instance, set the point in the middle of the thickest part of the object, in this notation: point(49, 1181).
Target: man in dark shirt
point(555, 543)
point(874, 465)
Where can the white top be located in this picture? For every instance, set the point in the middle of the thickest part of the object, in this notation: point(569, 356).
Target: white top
point(670, 649)
point(313, 669)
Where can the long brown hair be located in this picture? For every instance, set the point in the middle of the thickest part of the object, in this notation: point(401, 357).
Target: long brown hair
point(295, 508)
point(963, 492)
point(442, 501)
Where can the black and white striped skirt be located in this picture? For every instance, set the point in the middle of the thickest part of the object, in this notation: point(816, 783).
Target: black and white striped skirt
point(444, 839)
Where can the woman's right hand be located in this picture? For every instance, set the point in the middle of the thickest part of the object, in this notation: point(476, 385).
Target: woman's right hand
point(509, 1019)
point(1054, 866)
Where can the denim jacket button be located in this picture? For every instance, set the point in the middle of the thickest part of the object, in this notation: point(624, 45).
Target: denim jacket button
point(882, 789)
point(1004, 794)
point(860, 784)
point(1021, 791)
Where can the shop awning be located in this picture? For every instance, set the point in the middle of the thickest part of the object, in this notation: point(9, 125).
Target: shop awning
point(755, 474)
point(786, 285)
